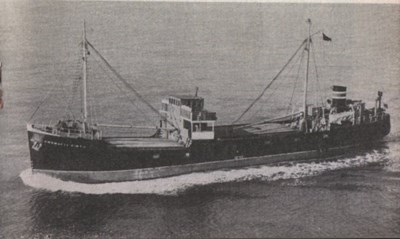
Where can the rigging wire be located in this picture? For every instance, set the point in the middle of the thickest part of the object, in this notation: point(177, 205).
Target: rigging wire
point(48, 93)
point(129, 86)
point(269, 97)
point(43, 100)
point(75, 83)
point(92, 105)
point(67, 106)
point(122, 91)
point(287, 75)
point(317, 76)
point(289, 72)
point(90, 99)
point(272, 81)
point(295, 83)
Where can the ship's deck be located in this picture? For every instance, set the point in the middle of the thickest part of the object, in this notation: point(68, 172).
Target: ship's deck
point(235, 131)
point(142, 143)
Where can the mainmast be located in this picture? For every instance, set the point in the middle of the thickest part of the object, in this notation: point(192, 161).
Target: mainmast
point(84, 74)
point(1, 66)
point(1, 90)
point(305, 108)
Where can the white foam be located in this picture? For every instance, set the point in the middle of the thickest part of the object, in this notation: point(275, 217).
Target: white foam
point(394, 154)
point(173, 185)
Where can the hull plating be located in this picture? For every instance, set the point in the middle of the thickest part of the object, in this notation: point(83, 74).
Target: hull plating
point(86, 160)
point(168, 171)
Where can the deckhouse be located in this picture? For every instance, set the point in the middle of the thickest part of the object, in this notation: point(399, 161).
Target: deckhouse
point(188, 116)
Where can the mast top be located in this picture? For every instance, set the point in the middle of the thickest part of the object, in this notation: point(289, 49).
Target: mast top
point(84, 33)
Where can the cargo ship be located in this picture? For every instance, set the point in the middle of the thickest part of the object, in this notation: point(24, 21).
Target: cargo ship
point(188, 138)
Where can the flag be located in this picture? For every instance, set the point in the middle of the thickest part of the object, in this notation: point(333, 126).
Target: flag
point(325, 37)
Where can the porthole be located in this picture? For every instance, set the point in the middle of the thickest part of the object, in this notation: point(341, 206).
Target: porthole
point(156, 156)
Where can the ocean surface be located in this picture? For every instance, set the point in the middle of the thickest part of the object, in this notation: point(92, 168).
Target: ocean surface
point(231, 51)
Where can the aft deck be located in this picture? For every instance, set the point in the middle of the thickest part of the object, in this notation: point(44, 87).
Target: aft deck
point(240, 131)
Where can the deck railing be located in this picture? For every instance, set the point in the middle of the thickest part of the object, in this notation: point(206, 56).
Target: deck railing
point(73, 133)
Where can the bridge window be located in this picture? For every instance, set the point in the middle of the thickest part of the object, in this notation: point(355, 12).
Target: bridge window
point(200, 127)
point(174, 101)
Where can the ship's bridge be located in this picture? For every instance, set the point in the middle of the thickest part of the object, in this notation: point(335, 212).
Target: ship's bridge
point(187, 113)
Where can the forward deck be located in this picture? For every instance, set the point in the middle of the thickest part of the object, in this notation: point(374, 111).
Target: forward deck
point(143, 143)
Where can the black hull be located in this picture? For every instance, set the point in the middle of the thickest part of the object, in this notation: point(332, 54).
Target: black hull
point(53, 154)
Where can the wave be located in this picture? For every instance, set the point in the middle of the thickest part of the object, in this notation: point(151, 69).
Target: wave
point(177, 184)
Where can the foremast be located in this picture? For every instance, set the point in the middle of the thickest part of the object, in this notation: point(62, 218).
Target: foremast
point(307, 48)
point(84, 77)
